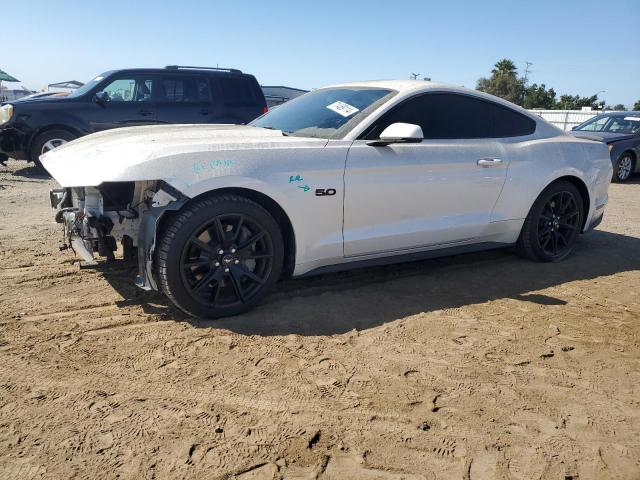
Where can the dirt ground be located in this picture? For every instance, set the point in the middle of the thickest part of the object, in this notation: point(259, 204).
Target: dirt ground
point(479, 366)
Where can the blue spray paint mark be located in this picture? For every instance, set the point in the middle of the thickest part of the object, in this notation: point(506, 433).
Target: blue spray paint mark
point(306, 188)
point(297, 178)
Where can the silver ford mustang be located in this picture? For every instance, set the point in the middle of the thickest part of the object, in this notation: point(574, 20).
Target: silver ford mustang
point(345, 176)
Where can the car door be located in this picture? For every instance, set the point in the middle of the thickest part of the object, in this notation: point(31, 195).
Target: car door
point(184, 99)
point(438, 192)
point(126, 101)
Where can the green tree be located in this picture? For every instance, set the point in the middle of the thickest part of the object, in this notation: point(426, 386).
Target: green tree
point(503, 82)
point(576, 102)
point(636, 106)
point(537, 96)
point(505, 67)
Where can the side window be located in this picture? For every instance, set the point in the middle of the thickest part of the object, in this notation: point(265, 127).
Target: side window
point(237, 92)
point(624, 125)
point(596, 125)
point(183, 89)
point(129, 90)
point(452, 116)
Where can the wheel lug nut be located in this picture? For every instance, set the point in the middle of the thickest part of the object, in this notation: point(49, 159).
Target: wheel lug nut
point(217, 264)
point(226, 270)
point(237, 262)
point(233, 250)
point(221, 252)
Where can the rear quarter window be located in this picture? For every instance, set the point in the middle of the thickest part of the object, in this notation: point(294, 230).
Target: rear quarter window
point(509, 123)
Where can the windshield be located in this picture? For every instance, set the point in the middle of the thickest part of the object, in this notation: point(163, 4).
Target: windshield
point(325, 113)
point(611, 124)
point(87, 86)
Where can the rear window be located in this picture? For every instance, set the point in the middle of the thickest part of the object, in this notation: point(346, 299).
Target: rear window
point(238, 92)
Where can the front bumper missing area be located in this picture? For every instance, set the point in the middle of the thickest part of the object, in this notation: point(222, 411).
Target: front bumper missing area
point(147, 235)
point(73, 226)
point(88, 229)
point(57, 197)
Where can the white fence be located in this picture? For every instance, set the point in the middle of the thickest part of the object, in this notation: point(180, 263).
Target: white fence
point(566, 119)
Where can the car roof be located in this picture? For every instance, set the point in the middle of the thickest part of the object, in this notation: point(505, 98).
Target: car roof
point(631, 113)
point(408, 87)
point(398, 85)
point(232, 72)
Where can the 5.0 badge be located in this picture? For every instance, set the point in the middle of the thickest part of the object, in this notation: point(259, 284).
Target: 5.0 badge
point(323, 192)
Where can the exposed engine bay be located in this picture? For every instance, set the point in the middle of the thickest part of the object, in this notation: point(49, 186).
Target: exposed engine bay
point(96, 219)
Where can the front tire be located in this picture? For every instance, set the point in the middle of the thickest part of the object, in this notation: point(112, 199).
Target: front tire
point(220, 256)
point(624, 167)
point(553, 224)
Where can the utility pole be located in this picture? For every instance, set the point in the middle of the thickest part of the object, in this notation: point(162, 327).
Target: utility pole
point(525, 80)
point(526, 73)
point(414, 76)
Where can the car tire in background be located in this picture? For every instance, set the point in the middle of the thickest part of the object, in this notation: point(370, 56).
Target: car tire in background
point(48, 141)
point(219, 256)
point(624, 167)
point(552, 226)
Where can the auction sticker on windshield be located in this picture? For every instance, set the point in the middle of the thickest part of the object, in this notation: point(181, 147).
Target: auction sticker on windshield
point(633, 119)
point(342, 108)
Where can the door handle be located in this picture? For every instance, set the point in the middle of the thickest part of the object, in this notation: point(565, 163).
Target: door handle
point(145, 113)
point(489, 162)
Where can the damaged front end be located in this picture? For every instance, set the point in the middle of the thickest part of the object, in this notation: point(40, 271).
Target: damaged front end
point(96, 219)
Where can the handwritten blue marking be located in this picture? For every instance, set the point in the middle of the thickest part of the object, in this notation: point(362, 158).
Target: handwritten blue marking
point(306, 188)
point(199, 167)
point(297, 178)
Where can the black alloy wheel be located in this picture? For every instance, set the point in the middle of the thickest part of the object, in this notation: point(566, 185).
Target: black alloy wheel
point(226, 261)
point(552, 226)
point(220, 256)
point(558, 224)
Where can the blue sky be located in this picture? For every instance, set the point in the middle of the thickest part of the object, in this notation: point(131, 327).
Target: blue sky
point(577, 47)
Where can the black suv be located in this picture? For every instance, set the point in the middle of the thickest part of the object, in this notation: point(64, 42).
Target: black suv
point(121, 98)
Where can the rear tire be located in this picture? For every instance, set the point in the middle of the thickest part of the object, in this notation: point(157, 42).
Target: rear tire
point(553, 224)
point(624, 167)
point(219, 256)
point(47, 141)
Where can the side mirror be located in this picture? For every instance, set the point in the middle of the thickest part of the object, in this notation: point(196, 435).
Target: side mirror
point(399, 133)
point(574, 127)
point(101, 98)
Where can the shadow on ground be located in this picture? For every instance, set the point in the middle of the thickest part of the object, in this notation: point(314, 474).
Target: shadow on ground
point(365, 298)
point(32, 172)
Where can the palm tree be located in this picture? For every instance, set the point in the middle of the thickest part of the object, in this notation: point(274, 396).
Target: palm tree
point(505, 67)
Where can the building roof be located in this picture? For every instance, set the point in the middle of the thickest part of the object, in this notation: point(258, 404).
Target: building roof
point(5, 77)
point(285, 87)
point(67, 84)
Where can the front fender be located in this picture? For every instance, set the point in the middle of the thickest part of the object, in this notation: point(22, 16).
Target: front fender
point(209, 185)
